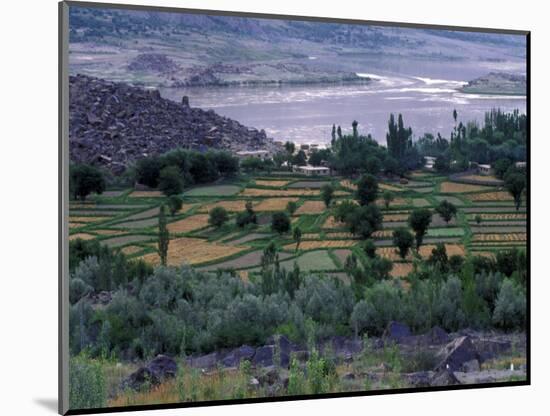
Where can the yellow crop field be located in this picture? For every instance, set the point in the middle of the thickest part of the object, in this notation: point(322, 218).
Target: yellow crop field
point(274, 204)
point(401, 269)
point(88, 219)
point(310, 236)
point(76, 225)
point(280, 192)
point(491, 196)
point(194, 222)
point(459, 188)
point(185, 208)
point(500, 237)
point(231, 206)
point(274, 183)
point(488, 254)
point(146, 194)
point(82, 236)
point(383, 234)
point(309, 245)
point(395, 217)
point(109, 232)
point(480, 177)
point(129, 250)
point(346, 183)
point(330, 222)
point(390, 253)
point(388, 187)
point(311, 207)
point(193, 251)
point(397, 201)
point(500, 217)
point(332, 236)
point(452, 250)
point(425, 251)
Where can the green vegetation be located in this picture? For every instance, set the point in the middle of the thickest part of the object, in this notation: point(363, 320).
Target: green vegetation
point(85, 179)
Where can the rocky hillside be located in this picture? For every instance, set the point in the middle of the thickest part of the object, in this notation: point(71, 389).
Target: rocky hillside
point(113, 124)
point(498, 83)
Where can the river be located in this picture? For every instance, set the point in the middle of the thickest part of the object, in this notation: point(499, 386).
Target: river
point(305, 113)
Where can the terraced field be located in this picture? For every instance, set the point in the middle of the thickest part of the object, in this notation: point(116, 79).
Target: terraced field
point(127, 220)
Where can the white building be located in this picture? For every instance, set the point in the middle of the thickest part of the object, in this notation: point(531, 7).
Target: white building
point(429, 162)
point(521, 165)
point(259, 154)
point(313, 170)
point(484, 169)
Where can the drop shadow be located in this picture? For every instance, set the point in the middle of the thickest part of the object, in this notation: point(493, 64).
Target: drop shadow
point(49, 404)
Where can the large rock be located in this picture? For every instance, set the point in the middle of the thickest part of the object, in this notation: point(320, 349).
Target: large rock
point(444, 377)
point(488, 348)
point(155, 372)
point(397, 332)
point(113, 124)
point(437, 336)
point(456, 353)
point(234, 358)
point(207, 361)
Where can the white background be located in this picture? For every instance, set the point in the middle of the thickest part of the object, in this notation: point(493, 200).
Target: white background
point(28, 232)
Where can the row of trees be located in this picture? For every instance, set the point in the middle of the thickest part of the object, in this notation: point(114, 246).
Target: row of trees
point(181, 311)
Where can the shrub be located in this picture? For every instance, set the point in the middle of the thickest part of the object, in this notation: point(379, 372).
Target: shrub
point(85, 179)
point(384, 304)
point(218, 216)
point(148, 171)
point(448, 305)
point(170, 181)
point(87, 388)
point(174, 204)
point(280, 222)
point(327, 192)
point(510, 307)
point(367, 189)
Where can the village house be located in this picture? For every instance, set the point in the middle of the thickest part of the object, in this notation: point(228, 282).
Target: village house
point(313, 170)
point(259, 154)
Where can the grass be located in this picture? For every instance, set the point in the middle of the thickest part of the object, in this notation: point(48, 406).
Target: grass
point(213, 190)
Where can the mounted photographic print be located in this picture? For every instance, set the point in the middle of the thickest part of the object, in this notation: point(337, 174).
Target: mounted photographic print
point(264, 208)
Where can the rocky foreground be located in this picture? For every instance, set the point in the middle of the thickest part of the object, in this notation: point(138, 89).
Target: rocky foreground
point(113, 124)
point(432, 359)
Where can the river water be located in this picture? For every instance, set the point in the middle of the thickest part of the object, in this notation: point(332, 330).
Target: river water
point(305, 113)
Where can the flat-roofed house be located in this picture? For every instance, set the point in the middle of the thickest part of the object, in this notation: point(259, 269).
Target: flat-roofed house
point(485, 169)
point(429, 162)
point(309, 170)
point(258, 154)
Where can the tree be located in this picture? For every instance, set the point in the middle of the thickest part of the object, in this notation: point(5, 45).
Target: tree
point(251, 164)
point(455, 115)
point(367, 189)
point(478, 219)
point(300, 159)
point(85, 179)
point(501, 166)
point(327, 192)
point(164, 236)
point(388, 197)
point(447, 210)
point(343, 209)
point(369, 248)
point(510, 306)
point(280, 222)
point(515, 184)
point(174, 203)
point(403, 240)
point(148, 171)
point(297, 235)
point(373, 165)
point(442, 164)
point(390, 166)
point(364, 220)
point(248, 216)
point(398, 137)
point(170, 181)
point(354, 125)
point(290, 147)
point(419, 220)
point(291, 207)
point(439, 258)
point(218, 216)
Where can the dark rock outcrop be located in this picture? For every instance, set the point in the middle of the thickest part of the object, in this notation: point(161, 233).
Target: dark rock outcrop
point(155, 372)
point(444, 377)
point(456, 353)
point(397, 332)
point(112, 124)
